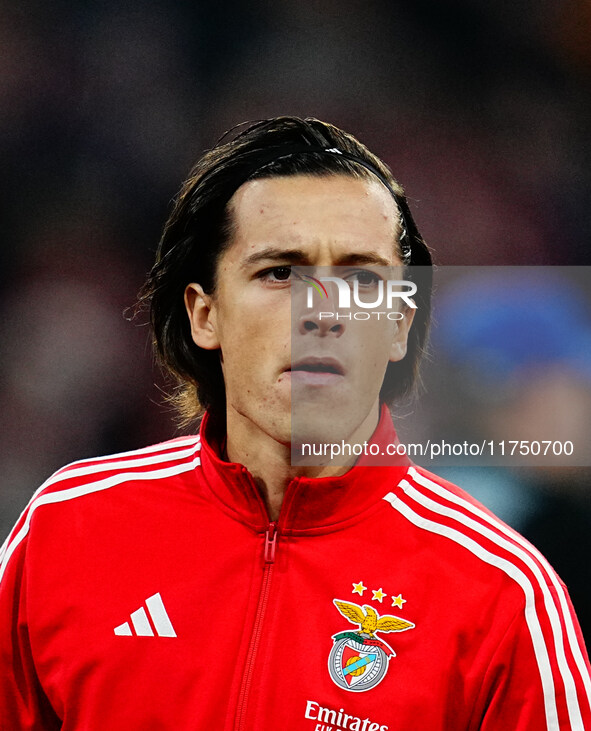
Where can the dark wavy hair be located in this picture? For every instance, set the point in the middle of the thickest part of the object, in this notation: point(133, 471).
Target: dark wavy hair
point(199, 230)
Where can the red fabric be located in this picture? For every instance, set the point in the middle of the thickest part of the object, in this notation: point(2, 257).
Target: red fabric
point(492, 641)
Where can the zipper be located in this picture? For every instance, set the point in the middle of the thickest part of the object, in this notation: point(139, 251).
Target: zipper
point(257, 631)
point(270, 542)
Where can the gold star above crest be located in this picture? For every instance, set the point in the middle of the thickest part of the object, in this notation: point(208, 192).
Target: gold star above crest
point(378, 594)
point(359, 588)
point(398, 601)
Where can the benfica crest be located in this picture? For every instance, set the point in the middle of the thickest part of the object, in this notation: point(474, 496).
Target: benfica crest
point(359, 660)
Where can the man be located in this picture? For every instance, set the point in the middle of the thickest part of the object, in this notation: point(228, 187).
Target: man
point(208, 582)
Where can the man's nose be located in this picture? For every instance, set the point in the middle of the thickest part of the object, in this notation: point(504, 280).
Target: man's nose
point(322, 315)
point(322, 323)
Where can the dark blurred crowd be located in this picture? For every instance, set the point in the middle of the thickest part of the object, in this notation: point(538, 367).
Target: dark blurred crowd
point(481, 109)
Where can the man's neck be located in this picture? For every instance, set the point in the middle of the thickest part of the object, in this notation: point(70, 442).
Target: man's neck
point(269, 461)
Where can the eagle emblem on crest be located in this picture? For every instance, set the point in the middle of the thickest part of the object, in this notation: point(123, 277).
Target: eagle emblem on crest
point(370, 621)
point(359, 660)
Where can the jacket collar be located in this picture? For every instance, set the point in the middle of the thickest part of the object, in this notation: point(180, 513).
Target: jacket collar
point(310, 504)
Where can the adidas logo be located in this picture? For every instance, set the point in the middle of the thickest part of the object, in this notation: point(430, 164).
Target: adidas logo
point(141, 624)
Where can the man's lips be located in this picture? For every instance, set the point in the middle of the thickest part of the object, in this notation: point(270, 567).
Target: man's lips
point(316, 370)
point(318, 364)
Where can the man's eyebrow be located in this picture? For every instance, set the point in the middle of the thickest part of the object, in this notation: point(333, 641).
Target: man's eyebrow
point(272, 254)
point(297, 256)
point(363, 257)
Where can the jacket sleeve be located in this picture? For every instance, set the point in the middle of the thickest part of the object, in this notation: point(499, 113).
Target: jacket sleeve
point(539, 676)
point(23, 705)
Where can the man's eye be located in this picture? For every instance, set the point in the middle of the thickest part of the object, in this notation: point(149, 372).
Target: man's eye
point(365, 278)
point(277, 274)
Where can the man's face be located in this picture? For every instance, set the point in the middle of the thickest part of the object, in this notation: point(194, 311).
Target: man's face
point(281, 223)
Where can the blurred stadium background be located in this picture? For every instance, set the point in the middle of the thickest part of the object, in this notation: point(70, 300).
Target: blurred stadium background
point(481, 109)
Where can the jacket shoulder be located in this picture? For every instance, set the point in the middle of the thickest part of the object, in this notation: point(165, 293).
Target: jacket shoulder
point(100, 475)
point(454, 523)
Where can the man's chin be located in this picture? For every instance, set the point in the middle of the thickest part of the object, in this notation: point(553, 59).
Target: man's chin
point(321, 428)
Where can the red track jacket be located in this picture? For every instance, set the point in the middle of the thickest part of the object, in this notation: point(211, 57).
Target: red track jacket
point(148, 591)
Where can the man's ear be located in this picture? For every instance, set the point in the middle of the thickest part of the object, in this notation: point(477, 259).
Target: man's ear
point(400, 341)
point(201, 316)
